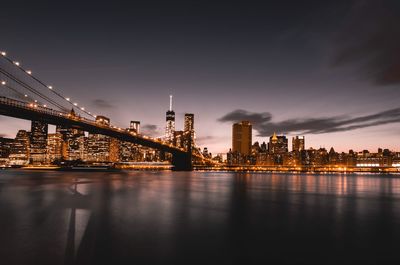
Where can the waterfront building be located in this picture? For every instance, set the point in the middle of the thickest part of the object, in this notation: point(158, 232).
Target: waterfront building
point(19, 152)
point(278, 144)
point(298, 143)
point(73, 145)
point(170, 123)
point(115, 146)
point(188, 131)
point(102, 148)
point(5, 147)
point(54, 147)
point(242, 138)
point(38, 142)
point(98, 148)
point(205, 153)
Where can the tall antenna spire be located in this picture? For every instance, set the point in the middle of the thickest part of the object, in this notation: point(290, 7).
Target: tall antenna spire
point(170, 102)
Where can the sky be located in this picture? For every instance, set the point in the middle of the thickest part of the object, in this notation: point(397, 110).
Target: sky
point(328, 70)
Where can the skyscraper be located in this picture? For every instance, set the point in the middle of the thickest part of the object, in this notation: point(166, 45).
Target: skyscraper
point(99, 146)
point(19, 153)
point(170, 126)
point(188, 130)
point(298, 143)
point(278, 144)
point(38, 142)
point(5, 146)
point(54, 147)
point(242, 137)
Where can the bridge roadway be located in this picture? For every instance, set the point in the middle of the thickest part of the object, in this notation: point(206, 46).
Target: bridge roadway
point(181, 159)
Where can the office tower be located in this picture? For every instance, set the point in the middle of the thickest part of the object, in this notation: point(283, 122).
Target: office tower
point(205, 153)
point(76, 149)
point(54, 147)
point(5, 147)
point(135, 127)
point(19, 152)
point(102, 148)
point(170, 126)
point(115, 148)
point(98, 148)
point(298, 143)
point(188, 130)
point(38, 142)
point(74, 143)
point(278, 144)
point(242, 137)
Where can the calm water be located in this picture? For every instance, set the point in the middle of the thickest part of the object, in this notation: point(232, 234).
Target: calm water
point(198, 218)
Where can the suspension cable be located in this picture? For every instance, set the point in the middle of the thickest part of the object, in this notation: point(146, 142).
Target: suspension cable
point(29, 73)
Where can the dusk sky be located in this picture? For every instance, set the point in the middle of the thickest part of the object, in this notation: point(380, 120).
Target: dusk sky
point(329, 70)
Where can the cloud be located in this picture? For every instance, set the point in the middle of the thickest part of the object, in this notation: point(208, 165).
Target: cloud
point(151, 130)
point(102, 104)
point(240, 115)
point(264, 125)
point(371, 38)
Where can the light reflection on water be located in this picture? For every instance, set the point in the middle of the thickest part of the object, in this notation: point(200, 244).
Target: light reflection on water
point(198, 217)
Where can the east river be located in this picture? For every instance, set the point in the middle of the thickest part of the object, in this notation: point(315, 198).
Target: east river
point(144, 217)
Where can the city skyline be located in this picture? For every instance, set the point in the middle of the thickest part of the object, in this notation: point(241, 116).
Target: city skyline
point(225, 64)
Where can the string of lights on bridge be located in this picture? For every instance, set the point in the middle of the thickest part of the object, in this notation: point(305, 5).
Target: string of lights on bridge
point(49, 87)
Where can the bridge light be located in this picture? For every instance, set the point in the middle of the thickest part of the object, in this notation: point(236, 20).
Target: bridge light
point(45, 105)
point(75, 104)
point(50, 87)
point(26, 95)
point(82, 108)
point(67, 99)
point(16, 63)
point(35, 101)
point(3, 53)
point(3, 82)
point(29, 72)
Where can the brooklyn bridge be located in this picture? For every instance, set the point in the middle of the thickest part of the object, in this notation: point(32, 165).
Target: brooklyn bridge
point(23, 95)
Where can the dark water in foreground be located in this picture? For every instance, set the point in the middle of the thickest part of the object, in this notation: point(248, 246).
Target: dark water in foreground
point(198, 218)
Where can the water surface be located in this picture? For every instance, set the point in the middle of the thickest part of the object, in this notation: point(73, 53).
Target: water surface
point(141, 217)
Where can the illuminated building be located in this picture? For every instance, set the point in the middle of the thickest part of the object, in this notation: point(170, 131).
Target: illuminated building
point(298, 143)
point(242, 138)
point(170, 126)
point(54, 147)
point(135, 127)
point(114, 150)
point(19, 152)
point(74, 142)
point(278, 144)
point(102, 148)
point(38, 142)
point(76, 149)
point(5, 147)
point(205, 153)
point(188, 130)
